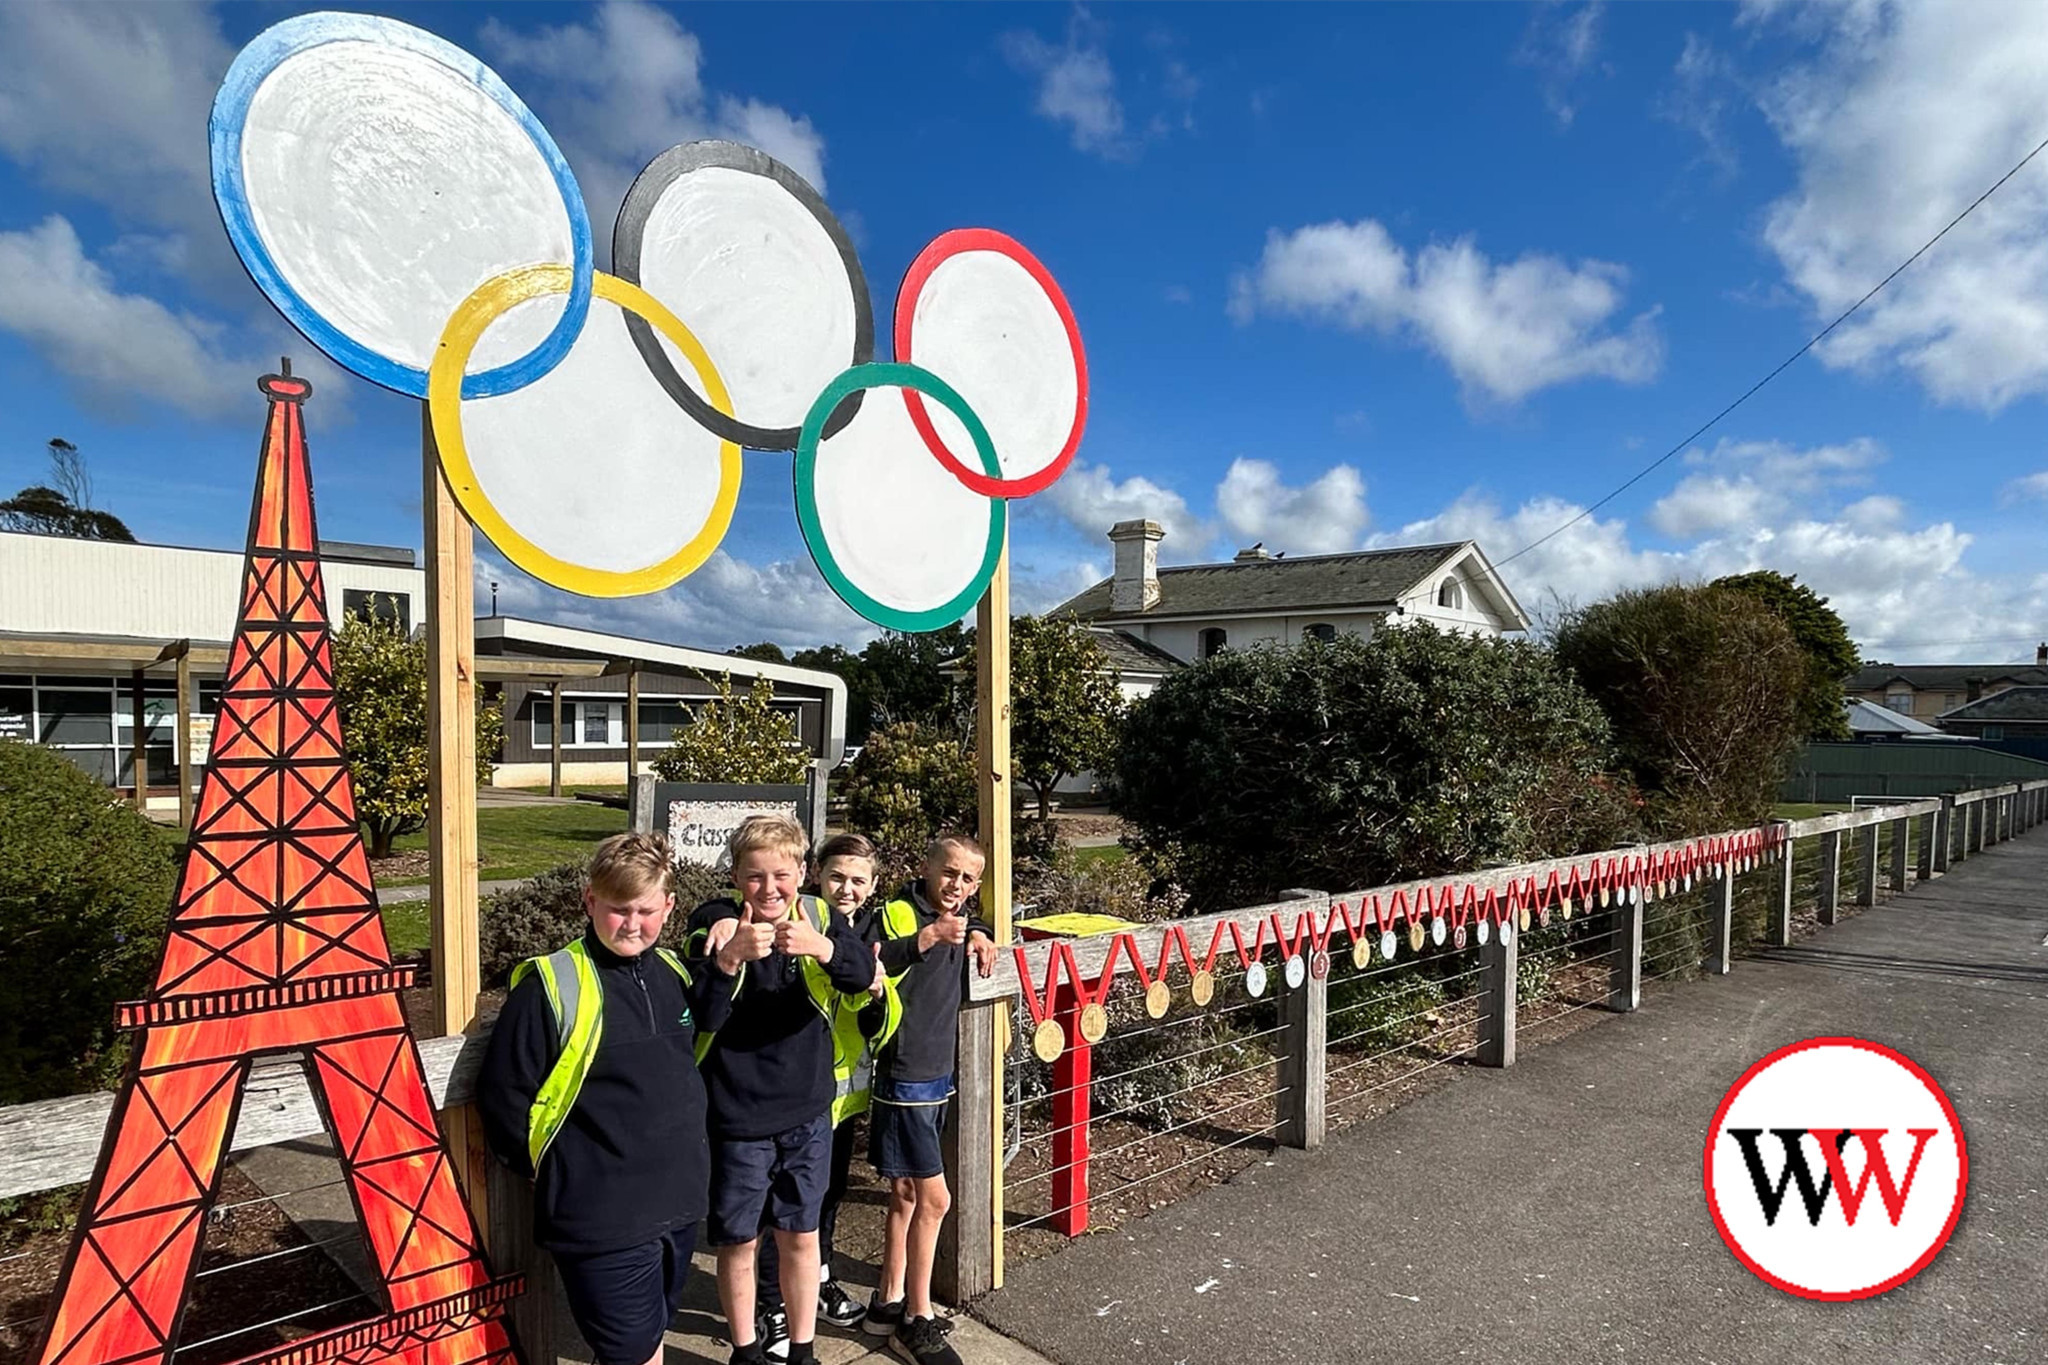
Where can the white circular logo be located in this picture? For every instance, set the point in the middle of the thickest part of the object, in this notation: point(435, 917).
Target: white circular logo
point(1297, 972)
point(1835, 1169)
point(1255, 979)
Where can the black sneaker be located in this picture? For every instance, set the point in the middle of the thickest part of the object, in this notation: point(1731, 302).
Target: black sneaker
point(772, 1332)
point(882, 1319)
point(749, 1354)
point(838, 1307)
point(922, 1341)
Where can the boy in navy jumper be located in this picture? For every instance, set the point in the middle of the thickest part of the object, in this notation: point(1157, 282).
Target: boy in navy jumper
point(769, 1072)
point(590, 1088)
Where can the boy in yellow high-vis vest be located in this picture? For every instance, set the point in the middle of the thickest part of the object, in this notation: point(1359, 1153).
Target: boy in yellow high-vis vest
point(590, 1088)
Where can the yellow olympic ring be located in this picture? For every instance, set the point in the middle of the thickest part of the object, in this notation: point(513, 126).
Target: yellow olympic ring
point(444, 406)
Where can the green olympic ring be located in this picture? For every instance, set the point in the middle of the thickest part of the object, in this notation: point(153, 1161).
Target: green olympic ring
point(805, 469)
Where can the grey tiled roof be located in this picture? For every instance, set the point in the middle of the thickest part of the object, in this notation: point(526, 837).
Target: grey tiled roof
point(1944, 677)
point(1868, 718)
point(2015, 703)
point(1132, 655)
point(1366, 578)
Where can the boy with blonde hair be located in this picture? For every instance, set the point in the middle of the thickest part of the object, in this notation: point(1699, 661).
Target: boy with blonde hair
point(926, 940)
point(769, 1072)
point(590, 1088)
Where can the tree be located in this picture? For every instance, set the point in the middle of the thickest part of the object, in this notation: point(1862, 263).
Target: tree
point(1832, 656)
point(380, 689)
point(853, 671)
point(736, 738)
point(766, 652)
point(1355, 763)
point(65, 509)
point(905, 680)
point(1066, 703)
point(910, 782)
point(1703, 687)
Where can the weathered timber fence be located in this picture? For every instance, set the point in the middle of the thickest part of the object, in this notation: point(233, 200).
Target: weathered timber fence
point(1602, 914)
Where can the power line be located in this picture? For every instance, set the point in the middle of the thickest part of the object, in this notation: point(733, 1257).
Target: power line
point(1783, 365)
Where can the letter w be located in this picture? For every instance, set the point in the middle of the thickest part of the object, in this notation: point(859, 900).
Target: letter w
point(1894, 1196)
point(1772, 1198)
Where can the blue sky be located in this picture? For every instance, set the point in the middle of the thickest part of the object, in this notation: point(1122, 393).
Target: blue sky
point(1346, 276)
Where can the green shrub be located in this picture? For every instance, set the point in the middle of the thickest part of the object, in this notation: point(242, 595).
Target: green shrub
point(1072, 884)
point(545, 913)
point(736, 737)
point(1356, 763)
point(910, 782)
point(85, 887)
point(1389, 1007)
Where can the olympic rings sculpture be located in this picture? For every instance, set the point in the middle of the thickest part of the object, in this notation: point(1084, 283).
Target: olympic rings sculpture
point(406, 212)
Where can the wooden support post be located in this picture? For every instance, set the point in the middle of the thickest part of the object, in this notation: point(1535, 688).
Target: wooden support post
point(547, 1332)
point(555, 746)
point(632, 721)
point(1498, 1002)
point(1944, 834)
point(1923, 847)
point(184, 740)
point(451, 793)
point(1973, 837)
point(1625, 976)
point(1720, 922)
point(1901, 874)
point(992, 752)
point(1866, 867)
point(1781, 912)
point(960, 1271)
point(138, 737)
point(1303, 1073)
point(1830, 876)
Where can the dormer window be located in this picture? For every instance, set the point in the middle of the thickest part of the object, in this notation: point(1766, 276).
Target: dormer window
point(1451, 595)
point(1213, 641)
point(1321, 630)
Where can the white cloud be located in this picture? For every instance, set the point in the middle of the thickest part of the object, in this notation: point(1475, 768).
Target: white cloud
point(628, 84)
point(1506, 330)
point(2026, 488)
point(1092, 500)
point(1747, 483)
point(1903, 589)
point(114, 345)
point(1902, 116)
point(1076, 87)
point(1562, 45)
point(1702, 92)
point(1324, 516)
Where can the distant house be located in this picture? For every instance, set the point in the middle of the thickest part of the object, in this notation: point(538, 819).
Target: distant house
point(1870, 722)
point(1186, 613)
point(1927, 691)
point(2009, 713)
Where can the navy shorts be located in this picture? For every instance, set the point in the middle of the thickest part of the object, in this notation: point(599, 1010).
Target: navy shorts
point(906, 1121)
point(622, 1300)
point(770, 1182)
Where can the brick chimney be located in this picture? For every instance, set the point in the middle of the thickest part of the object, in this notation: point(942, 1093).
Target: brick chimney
point(2041, 655)
point(1136, 585)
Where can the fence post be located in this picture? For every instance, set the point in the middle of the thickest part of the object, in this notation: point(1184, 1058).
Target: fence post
point(1781, 914)
point(1305, 1056)
point(1498, 959)
point(540, 1315)
point(1901, 830)
point(1866, 871)
point(1973, 831)
point(965, 1266)
point(1830, 875)
point(1924, 850)
point(1720, 920)
point(1944, 834)
point(1625, 979)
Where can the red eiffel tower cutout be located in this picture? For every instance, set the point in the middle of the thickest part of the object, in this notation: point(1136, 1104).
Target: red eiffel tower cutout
point(275, 945)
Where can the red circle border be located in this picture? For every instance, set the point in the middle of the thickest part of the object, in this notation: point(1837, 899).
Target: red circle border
point(1955, 1212)
point(940, 249)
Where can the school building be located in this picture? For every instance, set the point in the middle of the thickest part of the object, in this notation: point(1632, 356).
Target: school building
point(110, 652)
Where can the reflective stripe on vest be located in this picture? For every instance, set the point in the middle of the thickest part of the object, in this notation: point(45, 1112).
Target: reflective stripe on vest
point(576, 997)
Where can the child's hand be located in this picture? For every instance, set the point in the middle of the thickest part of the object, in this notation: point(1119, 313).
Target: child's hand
point(879, 987)
point(984, 949)
point(750, 940)
point(947, 928)
point(718, 935)
point(797, 938)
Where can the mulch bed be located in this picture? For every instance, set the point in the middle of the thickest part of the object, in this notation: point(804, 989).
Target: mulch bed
point(400, 867)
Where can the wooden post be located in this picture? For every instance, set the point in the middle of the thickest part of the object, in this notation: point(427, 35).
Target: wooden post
point(1781, 914)
point(1944, 834)
point(1498, 959)
point(1830, 875)
point(1625, 975)
point(555, 746)
point(1720, 922)
point(632, 721)
point(138, 734)
point(184, 738)
point(451, 794)
point(1901, 830)
point(966, 1252)
point(1304, 1061)
point(1866, 867)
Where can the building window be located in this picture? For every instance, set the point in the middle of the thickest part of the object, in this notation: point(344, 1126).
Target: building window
point(1213, 641)
point(586, 723)
point(395, 608)
point(91, 721)
point(1951, 700)
point(1321, 630)
point(1451, 595)
point(1901, 702)
point(1992, 732)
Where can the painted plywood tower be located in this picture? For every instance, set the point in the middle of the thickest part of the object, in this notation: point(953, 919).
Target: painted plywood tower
point(275, 945)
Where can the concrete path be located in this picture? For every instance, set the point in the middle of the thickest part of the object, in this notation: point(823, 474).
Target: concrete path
point(1553, 1214)
point(399, 895)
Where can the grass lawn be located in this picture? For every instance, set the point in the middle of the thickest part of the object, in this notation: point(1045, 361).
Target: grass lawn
point(1804, 810)
point(523, 841)
point(406, 929)
point(1100, 853)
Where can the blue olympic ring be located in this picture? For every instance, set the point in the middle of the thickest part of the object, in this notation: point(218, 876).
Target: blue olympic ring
point(224, 132)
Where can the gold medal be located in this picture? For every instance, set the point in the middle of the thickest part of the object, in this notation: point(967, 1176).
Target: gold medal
point(1203, 987)
point(1361, 952)
point(1048, 1040)
point(1094, 1023)
point(1415, 935)
point(1157, 999)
